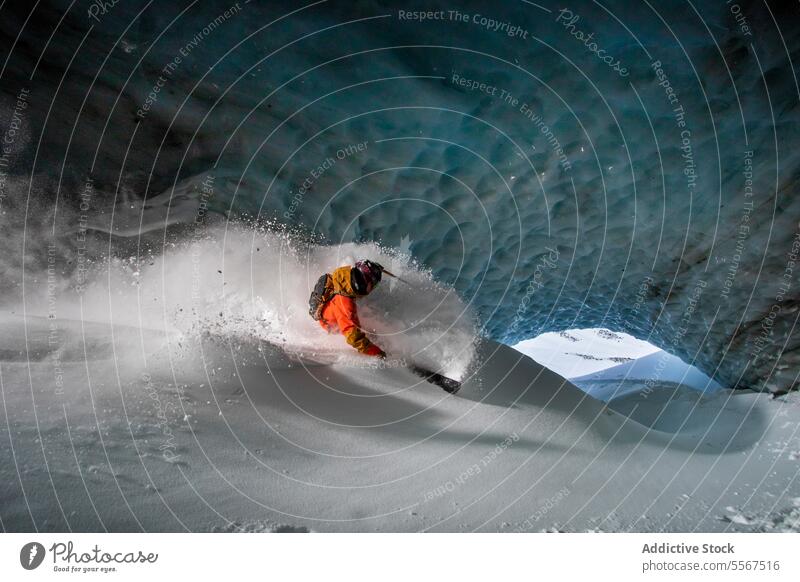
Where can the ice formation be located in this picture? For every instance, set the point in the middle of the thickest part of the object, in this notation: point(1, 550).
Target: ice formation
point(551, 187)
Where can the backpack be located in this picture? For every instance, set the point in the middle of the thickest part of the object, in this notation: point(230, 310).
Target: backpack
point(320, 295)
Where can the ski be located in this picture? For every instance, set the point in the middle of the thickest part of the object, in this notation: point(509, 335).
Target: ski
point(443, 382)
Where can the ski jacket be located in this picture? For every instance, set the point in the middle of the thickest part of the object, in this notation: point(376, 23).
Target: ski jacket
point(340, 313)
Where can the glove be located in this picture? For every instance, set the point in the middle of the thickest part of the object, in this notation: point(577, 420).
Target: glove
point(374, 350)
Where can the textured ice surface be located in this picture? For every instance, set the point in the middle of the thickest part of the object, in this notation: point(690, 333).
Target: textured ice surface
point(646, 209)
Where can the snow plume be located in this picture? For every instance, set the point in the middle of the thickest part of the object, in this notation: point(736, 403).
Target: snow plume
point(255, 284)
point(247, 287)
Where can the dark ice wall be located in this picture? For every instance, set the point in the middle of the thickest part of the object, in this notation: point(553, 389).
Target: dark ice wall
point(629, 165)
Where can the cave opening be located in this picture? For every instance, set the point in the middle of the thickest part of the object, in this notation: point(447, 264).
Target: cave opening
point(615, 366)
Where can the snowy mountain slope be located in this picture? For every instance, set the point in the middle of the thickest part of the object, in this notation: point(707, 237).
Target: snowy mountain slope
point(609, 365)
point(660, 366)
point(201, 437)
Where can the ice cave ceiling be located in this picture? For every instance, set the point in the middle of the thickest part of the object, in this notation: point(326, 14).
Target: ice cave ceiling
point(623, 165)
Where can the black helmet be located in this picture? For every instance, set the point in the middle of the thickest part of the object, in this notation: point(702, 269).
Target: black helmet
point(365, 276)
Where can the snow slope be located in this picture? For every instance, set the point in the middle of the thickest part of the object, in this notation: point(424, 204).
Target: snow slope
point(126, 428)
point(661, 366)
point(656, 372)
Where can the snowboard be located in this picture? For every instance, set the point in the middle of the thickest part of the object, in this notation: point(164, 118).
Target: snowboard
point(443, 382)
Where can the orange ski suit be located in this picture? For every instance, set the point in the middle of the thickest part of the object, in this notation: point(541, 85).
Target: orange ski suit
point(341, 316)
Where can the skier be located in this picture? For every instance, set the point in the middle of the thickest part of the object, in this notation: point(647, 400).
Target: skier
point(333, 303)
